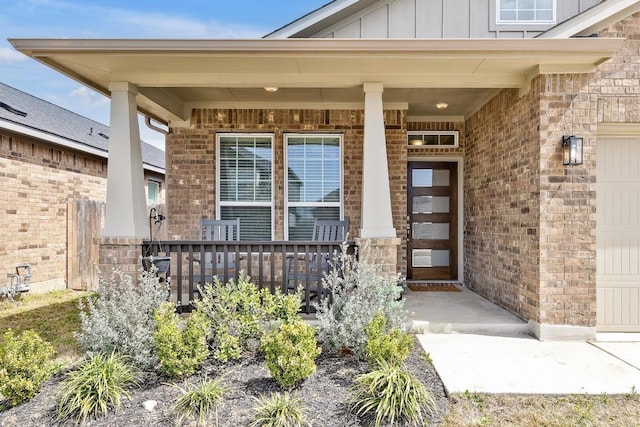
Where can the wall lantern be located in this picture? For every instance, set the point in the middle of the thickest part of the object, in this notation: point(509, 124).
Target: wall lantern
point(571, 150)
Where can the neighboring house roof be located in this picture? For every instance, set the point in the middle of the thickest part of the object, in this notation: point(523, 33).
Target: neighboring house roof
point(24, 113)
point(594, 19)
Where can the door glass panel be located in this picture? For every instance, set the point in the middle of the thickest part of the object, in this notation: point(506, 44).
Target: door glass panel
point(430, 177)
point(430, 258)
point(423, 178)
point(430, 204)
point(429, 230)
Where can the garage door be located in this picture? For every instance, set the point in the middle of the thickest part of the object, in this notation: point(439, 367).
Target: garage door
point(618, 235)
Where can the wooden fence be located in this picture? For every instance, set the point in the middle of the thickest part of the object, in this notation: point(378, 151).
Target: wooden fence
point(84, 224)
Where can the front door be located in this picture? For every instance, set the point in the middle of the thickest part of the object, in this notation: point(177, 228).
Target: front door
point(432, 235)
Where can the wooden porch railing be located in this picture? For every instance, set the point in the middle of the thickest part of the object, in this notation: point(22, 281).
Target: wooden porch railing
point(273, 265)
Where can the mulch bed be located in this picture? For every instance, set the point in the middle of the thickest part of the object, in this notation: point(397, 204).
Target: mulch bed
point(323, 395)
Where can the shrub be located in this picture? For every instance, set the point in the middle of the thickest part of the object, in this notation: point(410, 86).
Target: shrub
point(391, 346)
point(290, 352)
point(120, 317)
point(97, 386)
point(390, 394)
point(25, 364)
point(279, 410)
point(237, 312)
point(198, 401)
point(181, 350)
point(359, 290)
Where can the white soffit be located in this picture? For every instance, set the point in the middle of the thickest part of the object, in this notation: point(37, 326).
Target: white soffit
point(170, 74)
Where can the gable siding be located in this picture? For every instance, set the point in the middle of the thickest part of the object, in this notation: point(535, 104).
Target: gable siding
point(440, 19)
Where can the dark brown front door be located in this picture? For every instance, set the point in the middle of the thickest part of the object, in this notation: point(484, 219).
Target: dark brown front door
point(432, 238)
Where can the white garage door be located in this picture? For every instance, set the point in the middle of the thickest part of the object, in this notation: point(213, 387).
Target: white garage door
point(618, 235)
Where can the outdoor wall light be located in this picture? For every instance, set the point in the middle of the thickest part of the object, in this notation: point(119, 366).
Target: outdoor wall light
point(571, 150)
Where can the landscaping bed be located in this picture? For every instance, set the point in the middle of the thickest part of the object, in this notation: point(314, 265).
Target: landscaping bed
point(323, 395)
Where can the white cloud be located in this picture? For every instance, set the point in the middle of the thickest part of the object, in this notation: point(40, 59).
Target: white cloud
point(89, 97)
point(10, 56)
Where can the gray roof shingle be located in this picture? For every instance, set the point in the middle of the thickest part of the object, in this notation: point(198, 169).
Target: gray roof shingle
point(52, 119)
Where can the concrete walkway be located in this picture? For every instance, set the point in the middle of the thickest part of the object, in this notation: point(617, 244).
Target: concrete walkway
point(478, 347)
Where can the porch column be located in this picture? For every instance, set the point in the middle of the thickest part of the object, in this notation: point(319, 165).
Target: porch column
point(126, 210)
point(377, 220)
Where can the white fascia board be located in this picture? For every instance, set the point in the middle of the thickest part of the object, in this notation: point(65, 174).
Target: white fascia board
point(53, 139)
point(312, 18)
point(152, 168)
point(594, 19)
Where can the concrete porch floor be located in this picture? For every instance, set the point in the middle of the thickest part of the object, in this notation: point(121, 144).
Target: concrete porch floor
point(478, 347)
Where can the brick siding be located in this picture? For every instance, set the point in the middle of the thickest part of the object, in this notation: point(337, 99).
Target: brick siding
point(191, 161)
point(38, 180)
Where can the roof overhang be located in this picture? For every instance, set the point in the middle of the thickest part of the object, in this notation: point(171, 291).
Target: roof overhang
point(173, 76)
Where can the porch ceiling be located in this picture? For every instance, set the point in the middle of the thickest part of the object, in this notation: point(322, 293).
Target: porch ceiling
point(174, 76)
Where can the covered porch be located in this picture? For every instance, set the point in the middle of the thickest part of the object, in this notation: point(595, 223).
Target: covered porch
point(369, 92)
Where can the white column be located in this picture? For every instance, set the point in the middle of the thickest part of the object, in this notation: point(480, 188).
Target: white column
point(377, 220)
point(126, 214)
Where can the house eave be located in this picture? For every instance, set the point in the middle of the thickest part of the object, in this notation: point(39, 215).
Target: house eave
point(171, 75)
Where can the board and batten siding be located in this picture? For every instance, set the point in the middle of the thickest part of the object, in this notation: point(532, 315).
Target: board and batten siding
point(618, 235)
point(440, 19)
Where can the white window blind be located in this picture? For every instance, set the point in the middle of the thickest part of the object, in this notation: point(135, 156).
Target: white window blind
point(313, 182)
point(245, 181)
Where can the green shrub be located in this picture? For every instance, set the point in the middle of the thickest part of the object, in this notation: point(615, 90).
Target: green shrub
point(290, 352)
point(279, 410)
point(25, 364)
point(120, 317)
point(359, 290)
point(97, 386)
point(180, 349)
point(198, 401)
point(237, 312)
point(390, 394)
point(391, 346)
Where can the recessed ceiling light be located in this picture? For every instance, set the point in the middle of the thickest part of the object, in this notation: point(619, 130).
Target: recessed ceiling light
point(271, 89)
point(441, 105)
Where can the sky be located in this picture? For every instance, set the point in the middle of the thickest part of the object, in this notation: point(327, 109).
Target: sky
point(186, 19)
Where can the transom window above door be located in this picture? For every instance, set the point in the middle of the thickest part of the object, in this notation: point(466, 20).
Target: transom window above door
point(313, 182)
point(444, 139)
point(526, 11)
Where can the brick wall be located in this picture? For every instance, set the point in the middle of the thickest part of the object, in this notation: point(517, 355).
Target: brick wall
point(37, 181)
point(501, 202)
point(191, 161)
point(530, 221)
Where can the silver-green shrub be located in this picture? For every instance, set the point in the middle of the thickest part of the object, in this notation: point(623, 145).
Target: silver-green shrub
point(120, 317)
point(359, 290)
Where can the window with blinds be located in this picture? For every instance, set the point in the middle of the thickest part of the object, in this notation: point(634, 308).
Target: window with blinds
point(313, 182)
point(245, 183)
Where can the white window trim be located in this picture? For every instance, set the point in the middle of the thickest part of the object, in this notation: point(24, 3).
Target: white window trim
point(517, 22)
point(288, 204)
point(454, 133)
point(157, 183)
point(271, 204)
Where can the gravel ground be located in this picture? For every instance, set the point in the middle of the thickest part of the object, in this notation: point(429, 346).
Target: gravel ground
point(323, 395)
